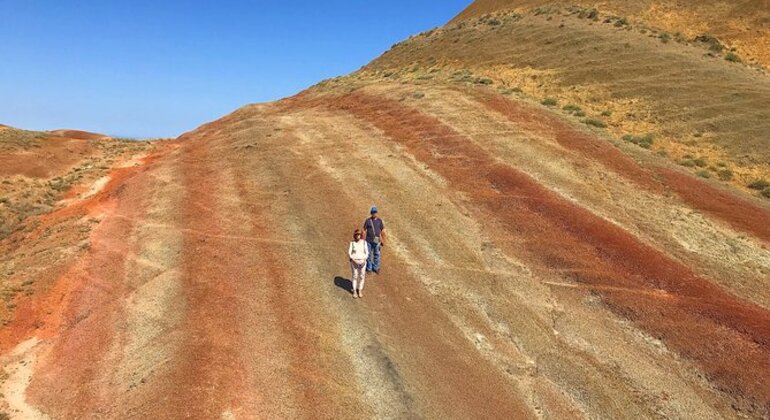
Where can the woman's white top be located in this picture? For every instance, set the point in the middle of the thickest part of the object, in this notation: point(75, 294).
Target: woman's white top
point(358, 251)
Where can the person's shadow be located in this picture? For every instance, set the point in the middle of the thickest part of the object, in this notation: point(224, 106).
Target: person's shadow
point(343, 284)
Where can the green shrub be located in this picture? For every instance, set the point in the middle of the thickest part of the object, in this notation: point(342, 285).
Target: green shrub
point(418, 95)
point(725, 174)
point(688, 163)
point(664, 38)
point(706, 39)
point(644, 141)
point(662, 153)
point(592, 14)
point(732, 57)
point(766, 192)
point(550, 102)
point(595, 123)
point(759, 184)
point(482, 81)
point(699, 162)
point(572, 108)
point(579, 114)
point(704, 173)
point(621, 22)
point(606, 113)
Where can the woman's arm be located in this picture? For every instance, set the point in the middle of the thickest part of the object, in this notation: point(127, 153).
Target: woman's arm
point(350, 251)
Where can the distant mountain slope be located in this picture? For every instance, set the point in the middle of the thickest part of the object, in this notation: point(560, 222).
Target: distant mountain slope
point(43, 173)
point(744, 25)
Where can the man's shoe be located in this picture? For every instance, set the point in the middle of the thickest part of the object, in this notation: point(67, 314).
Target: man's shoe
point(377, 271)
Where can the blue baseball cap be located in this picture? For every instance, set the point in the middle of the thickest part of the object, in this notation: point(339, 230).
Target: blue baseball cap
point(373, 210)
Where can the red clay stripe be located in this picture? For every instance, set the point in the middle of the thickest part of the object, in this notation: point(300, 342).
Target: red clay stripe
point(739, 213)
point(728, 338)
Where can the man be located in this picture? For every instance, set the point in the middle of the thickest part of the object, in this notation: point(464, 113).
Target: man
point(375, 238)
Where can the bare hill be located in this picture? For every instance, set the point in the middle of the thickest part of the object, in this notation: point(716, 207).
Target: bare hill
point(537, 265)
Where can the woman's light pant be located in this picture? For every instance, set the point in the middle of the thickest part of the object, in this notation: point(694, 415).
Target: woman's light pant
point(359, 275)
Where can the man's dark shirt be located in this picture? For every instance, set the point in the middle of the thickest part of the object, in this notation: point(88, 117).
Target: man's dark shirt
point(373, 228)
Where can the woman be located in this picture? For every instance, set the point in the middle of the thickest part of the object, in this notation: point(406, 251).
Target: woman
point(358, 252)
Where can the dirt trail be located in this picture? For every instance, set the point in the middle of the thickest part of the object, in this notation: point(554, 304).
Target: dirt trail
point(216, 282)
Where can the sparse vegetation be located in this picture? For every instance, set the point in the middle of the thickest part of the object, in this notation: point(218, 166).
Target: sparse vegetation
point(484, 81)
point(703, 173)
point(691, 162)
point(766, 192)
point(418, 95)
point(543, 10)
point(759, 184)
point(725, 174)
point(732, 57)
point(606, 113)
point(713, 43)
point(621, 22)
point(592, 14)
point(23, 138)
point(595, 122)
point(550, 102)
point(644, 141)
point(664, 37)
point(572, 108)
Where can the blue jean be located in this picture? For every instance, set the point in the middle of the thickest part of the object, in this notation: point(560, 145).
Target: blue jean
point(373, 263)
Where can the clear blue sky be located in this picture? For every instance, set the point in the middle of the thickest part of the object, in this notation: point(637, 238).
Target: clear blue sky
point(159, 68)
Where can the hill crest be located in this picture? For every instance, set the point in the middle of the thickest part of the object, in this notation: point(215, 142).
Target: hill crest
point(742, 25)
